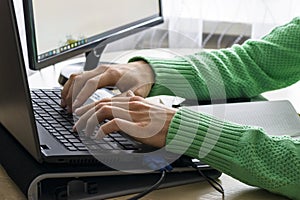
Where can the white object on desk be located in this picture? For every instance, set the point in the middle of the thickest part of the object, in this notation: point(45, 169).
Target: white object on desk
point(167, 100)
point(276, 117)
point(291, 93)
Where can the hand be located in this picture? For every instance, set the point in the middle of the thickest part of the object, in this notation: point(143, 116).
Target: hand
point(136, 76)
point(144, 121)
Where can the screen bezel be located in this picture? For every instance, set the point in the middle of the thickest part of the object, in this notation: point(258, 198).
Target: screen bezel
point(103, 38)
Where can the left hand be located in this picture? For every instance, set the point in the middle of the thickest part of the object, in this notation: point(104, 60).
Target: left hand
point(136, 76)
point(135, 116)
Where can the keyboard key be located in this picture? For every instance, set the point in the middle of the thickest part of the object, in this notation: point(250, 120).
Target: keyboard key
point(67, 144)
point(105, 146)
point(82, 148)
point(78, 145)
point(72, 148)
point(63, 141)
point(59, 123)
point(74, 140)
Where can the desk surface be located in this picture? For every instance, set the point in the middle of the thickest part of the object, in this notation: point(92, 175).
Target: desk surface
point(234, 190)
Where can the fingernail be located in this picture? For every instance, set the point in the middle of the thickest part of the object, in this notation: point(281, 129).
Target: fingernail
point(99, 135)
point(75, 104)
point(74, 128)
point(62, 103)
point(76, 111)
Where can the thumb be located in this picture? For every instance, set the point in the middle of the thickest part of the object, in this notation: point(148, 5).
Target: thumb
point(129, 93)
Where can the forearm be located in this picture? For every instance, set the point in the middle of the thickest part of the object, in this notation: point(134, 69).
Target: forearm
point(241, 71)
point(243, 152)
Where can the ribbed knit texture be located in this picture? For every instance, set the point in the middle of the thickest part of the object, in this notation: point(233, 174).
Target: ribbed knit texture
point(243, 152)
point(247, 70)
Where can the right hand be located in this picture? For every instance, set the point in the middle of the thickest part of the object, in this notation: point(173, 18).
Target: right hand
point(145, 121)
point(135, 76)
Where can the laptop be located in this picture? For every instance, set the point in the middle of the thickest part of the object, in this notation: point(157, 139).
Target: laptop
point(31, 116)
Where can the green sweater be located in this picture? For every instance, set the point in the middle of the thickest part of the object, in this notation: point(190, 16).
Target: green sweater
point(243, 152)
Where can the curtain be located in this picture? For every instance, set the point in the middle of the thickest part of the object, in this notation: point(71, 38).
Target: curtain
point(185, 18)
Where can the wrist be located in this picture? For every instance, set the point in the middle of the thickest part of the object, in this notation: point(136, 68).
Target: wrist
point(146, 67)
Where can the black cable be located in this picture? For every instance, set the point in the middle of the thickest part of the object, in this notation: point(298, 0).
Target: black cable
point(153, 187)
point(217, 186)
point(213, 183)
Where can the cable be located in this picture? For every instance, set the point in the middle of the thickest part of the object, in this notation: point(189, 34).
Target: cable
point(213, 183)
point(217, 186)
point(154, 162)
point(153, 187)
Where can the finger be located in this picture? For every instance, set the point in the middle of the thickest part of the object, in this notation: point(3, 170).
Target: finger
point(123, 94)
point(66, 89)
point(130, 128)
point(132, 102)
point(126, 98)
point(76, 82)
point(99, 135)
point(108, 101)
point(92, 118)
point(83, 109)
point(91, 86)
point(108, 78)
point(68, 99)
point(94, 72)
point(121, 125)
point(114, 126)
point(80, 78)
point(91, 124)
point(125, 103)
point(81, 122)
point(130, 93)
point(93, 106)
point(137, 92)
point(143, 90)
point(86, 90)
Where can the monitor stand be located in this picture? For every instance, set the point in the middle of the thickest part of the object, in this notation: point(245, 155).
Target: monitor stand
point(90, 62)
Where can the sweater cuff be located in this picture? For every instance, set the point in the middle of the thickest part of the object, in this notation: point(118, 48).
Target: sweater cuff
point(204, 137)
point(176, 77)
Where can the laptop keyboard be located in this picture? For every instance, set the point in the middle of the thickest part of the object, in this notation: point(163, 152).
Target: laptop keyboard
point(55, 119)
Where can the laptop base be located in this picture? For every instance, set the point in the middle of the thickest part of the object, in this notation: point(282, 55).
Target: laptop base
point(49, 181)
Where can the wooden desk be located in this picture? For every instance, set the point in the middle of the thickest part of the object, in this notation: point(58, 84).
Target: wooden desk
point(234, 190)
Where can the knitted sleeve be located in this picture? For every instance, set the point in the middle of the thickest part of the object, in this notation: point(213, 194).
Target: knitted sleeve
point(241, 71)
point(243, 152)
